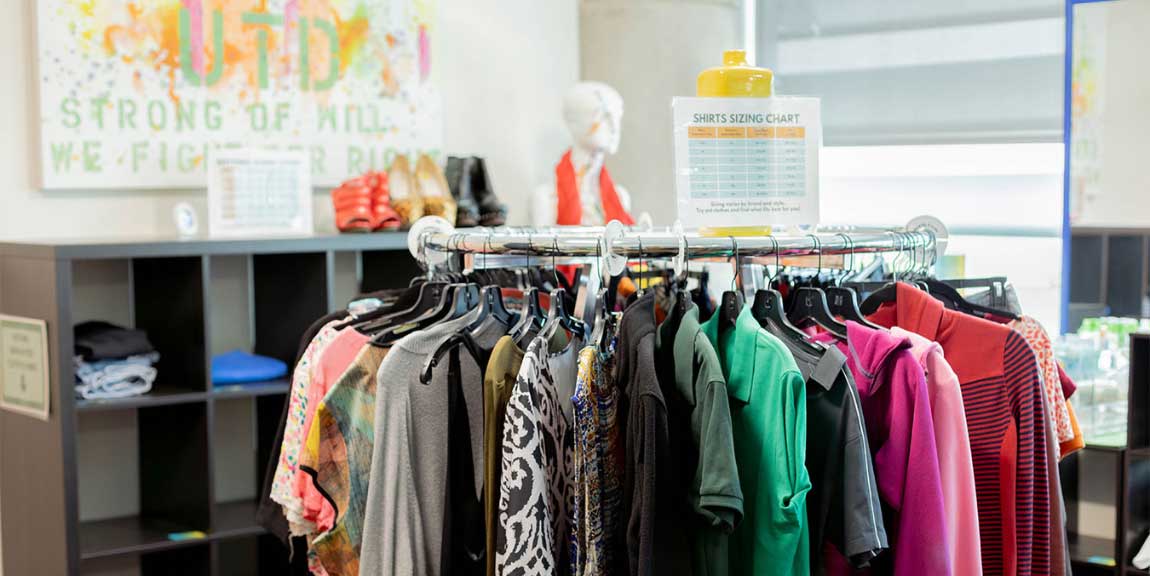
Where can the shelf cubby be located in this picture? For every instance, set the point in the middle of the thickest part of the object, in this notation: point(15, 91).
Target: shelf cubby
point(167, 483)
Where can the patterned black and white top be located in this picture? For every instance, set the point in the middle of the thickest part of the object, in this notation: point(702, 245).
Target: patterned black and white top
point(536, 487)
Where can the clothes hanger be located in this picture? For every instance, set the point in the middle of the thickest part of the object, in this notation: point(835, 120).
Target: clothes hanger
point(682, 297)
point(532, 316)
point(887, 294)
point(491, 300)
point(953, 299)
point(602, 318)
point(557, 315)
point(731, 304)
point(811, 304)
point(430, 296)
point(459, 300)
point(459, 338)
point(426, 296)
point(767, 309)
point(844, 302)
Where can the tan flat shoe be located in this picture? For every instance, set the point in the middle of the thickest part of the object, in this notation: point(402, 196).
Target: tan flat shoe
point(432, 185)
point(405, 196)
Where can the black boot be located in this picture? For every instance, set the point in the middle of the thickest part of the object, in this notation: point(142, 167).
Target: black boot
point(458, 173)
point(492, 212)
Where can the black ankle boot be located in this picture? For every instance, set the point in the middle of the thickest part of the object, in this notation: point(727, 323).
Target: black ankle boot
point(458, 173)
point(492, 212)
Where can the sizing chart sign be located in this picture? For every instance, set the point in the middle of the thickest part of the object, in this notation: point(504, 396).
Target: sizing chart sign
point(747, 161)
point(136, 94)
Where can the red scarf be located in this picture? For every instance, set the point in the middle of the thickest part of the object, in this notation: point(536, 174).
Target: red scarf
point(570, 209)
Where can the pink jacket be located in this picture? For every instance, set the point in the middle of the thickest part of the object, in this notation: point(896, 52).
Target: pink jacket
point(953, 447)
point(900, 428)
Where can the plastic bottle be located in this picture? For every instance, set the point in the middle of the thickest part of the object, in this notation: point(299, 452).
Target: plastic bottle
point(735, 79)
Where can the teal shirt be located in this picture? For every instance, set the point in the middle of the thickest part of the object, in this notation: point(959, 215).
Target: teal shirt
point(769, 420)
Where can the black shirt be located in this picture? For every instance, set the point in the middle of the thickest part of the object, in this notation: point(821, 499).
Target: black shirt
point(843, 507)
point(647, 497)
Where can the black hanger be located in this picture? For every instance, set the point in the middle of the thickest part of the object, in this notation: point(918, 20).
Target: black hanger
point(767, 310)
point(731, 303)
point(810, 302)
point(844, 303)
point(461, 299)
point(491, 304)
point(950, 297)
point(429, 296)
point(531, 318)
point(450, 343)
point(558, 317)
point(811, 305)
point(886, 295)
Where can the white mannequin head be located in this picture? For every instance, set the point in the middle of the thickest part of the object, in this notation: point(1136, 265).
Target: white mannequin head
point(594, 115)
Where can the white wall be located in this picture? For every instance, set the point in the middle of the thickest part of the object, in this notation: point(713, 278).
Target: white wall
point(502, 66)
point(1002, 203)
point(651, 51)
point(1108, 165)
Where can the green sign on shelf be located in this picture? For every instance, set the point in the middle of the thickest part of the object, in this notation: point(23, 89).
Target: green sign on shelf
point(24, 367)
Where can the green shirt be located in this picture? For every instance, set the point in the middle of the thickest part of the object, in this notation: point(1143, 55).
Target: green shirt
point(714, 493)
point(769, 419)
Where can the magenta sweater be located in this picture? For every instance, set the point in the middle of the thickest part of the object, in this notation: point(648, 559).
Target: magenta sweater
point(900, 428)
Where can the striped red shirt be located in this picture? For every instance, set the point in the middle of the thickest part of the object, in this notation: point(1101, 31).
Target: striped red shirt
point(1002, 396)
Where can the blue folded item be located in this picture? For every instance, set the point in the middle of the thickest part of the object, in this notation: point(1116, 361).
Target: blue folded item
point(239, 367)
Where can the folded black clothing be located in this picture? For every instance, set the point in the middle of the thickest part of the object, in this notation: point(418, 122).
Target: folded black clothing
point(98, 340)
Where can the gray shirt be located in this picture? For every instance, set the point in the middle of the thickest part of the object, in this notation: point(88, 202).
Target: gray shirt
point(843, 505)
point(403, 526)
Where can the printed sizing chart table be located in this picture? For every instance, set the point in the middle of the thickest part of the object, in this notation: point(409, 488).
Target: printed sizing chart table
point(729, 162)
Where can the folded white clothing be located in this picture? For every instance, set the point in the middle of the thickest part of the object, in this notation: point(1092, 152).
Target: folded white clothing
point(107, 379)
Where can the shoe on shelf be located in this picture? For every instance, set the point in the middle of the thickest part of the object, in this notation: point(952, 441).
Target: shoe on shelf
point(352, 203)
point(459, 180)
point(384, 217)
point(492, 212)
point(405, 197)
point(432, 186)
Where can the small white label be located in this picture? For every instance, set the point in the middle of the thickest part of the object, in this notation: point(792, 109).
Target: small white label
point(24, 367)
point(259, 193)
point(747, 161)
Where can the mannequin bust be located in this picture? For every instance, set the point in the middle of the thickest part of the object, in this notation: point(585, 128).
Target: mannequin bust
point(594, 114)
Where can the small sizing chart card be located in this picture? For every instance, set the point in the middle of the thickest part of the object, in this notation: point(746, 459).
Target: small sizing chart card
point(254, 192)
point(747, 161)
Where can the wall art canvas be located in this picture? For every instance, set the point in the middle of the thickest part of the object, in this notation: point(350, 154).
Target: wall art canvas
point(138, 93)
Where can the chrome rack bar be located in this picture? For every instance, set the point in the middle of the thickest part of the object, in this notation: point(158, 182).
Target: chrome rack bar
point(431, 242)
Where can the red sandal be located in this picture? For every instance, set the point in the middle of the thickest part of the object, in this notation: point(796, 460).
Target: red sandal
point(353, 206)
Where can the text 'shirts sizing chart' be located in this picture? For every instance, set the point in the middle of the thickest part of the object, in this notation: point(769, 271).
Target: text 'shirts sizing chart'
point(747, 161)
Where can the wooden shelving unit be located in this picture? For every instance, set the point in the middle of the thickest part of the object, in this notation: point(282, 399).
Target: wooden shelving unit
point(172, 289)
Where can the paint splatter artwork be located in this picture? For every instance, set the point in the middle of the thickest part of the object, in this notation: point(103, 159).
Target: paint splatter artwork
point(137, 94)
